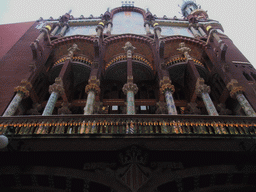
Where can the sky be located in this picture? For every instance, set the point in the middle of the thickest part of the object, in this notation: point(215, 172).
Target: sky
point(236, 17)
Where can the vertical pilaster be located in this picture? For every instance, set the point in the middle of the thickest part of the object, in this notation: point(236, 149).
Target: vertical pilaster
point(109, 26)
point(56, 28)
point(168, 89)
point(22, 92)
point(99, 29)
point(194, 30)
point(147, 27)
point(63, 30)
point(56, 90)
point(201, 31)
point(202, 90)
point(157, 30)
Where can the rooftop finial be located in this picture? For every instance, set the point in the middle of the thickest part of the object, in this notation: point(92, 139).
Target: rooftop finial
point(188, 6)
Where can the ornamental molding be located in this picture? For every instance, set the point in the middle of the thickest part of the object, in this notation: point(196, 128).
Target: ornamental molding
point(93, 85)
point(130, 87)
point(57, 86)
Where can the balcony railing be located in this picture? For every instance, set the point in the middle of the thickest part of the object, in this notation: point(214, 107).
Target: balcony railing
point(128, 124)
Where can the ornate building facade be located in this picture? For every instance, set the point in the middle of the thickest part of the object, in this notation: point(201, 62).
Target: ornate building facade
point(126, 101)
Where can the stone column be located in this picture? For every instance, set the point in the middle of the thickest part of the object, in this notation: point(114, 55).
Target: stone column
point(168, 89)
point(56, 90)
point(109, 26)
point(56, 28)
point(44, 31)
point(194, 31)
point(99, 29)
point(202, 90)
point(130, 89)
point(63, 30)
point(214, 33)
point(22, 92)
point(91, 89)
point(147, 27)
point(157, 30)
point(201, 31)
point(236, 91)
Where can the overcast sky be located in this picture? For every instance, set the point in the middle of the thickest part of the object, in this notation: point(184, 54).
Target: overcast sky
point(236, 17)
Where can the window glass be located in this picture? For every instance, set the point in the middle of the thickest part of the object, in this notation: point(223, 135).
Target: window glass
point(81, 30)
point(171, 30)
point(128, 22)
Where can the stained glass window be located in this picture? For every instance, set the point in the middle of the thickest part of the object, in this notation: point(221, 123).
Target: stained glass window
point(128, 22)
point(171, 30)
point(81, 30)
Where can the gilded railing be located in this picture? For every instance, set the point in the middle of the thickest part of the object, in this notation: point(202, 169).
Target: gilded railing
point(128, 124)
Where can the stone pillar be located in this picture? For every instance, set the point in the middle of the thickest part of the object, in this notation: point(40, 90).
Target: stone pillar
point(63, 30)
point(22, 92)
point(194, 31)
point(201, 31)
point(157, 30)
point(236, 91)
point(99, 29)
point(56, 28)
point(109, 26)
point(168, 89)
point(91, 89)
point(56, 90)
point(147, 27)
point(214, 33)
point(44, 31)
point(202, 90)
point(130, 89)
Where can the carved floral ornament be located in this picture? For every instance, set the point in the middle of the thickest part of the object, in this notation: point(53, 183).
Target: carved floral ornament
point(130, 87)
point(234, 88)
point(24, 88)
point(201, 87)
point(94, 85)
point(57, 86)
point(166, 85)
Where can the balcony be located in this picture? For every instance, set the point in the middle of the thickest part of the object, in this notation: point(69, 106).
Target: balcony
point(128, 125)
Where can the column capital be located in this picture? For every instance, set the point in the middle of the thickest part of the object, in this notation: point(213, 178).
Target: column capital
point(234, 88)
point(24, 88)
point(130, 87)
point(182, 48)
point(93, 85)
point(57, 86)
point(201, 87)
point(166, 85)
point(71, 51)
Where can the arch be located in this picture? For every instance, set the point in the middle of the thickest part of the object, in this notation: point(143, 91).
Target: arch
point(126, 8)
point(159, 178)
point(108, 180)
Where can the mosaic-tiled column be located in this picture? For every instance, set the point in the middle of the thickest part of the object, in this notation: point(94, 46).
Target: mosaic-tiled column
point(202, 90)
point(168, 89)
point(130, 89)
point(236, 91)
point(22, 92)
point(56, 90)
point(91, 89)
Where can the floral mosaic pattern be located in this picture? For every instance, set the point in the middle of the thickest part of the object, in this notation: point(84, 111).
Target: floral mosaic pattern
point(209, 105)
point(170, 103)
point(50, 104)
point(89, 103)
point(128, 22)
point(245, 105)
point(13, 105)
point(130, 103)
